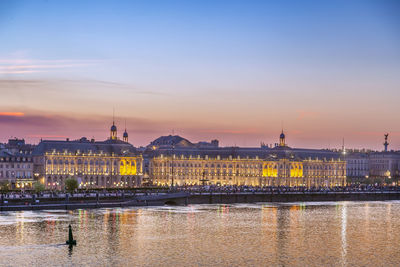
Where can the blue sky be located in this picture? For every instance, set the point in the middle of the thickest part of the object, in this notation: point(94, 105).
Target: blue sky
point(238, 69)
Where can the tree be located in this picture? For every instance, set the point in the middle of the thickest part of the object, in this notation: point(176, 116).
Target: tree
point(38, 187)
point(71, 185)
point(4, 186)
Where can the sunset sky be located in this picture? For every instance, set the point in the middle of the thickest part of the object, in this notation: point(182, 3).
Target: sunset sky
point(237, 71)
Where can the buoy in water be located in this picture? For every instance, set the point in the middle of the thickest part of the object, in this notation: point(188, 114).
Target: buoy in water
point(70, 241)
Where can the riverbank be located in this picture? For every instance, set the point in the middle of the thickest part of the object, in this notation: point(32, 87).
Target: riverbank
point(185, 198)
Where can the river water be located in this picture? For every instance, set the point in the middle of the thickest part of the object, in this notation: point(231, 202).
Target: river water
point(291, 234)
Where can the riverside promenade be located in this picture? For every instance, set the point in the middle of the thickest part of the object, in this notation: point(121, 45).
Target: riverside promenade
point(111, 200)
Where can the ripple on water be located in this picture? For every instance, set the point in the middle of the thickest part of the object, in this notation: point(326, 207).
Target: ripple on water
point(256, 234)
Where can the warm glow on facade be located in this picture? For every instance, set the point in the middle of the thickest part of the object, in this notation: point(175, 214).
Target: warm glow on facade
point(127, 166)
point(247, 171)
point(93, 170)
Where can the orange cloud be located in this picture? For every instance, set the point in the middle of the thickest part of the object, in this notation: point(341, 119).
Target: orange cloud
point(12, 114)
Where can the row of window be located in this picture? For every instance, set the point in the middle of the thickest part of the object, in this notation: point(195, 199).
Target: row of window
point(15, 159)
point(79, 161)
point(306, 173)
point(191, 165)
point(17, 166)
point(13, 174)
point(313, 167)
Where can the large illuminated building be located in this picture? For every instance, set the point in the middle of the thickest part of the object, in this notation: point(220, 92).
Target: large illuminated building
point(112, 163)
point(175, 160)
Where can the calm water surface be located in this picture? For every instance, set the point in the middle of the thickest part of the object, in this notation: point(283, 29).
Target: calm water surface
point(295, 234)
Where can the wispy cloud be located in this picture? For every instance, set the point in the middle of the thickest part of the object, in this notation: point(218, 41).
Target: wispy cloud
point(19, 71)
point(10, 85)
point(21, 66)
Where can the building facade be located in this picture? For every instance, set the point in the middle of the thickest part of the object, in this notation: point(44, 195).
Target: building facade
point(278, 166)
point(107, 164)
point(384, 165)
point(16, 165)
point(357, 165)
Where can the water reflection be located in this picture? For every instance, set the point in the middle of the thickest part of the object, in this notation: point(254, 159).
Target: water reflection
point(343, 233)
point(292, 234)
point(70, 250)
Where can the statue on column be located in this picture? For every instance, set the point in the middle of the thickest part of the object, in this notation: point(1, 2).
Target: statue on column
point(386, 144)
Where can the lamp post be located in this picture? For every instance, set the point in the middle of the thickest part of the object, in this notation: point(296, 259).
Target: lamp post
point(172, 167)
point(204, 180)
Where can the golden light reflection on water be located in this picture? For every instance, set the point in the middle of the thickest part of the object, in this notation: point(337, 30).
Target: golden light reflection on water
point(298, 234)
point(343, 233)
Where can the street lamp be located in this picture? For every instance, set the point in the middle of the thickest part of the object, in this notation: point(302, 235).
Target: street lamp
point(204, 180)
point(172, 166)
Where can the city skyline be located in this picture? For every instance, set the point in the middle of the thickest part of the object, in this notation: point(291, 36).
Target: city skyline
point(119, 135)
point(233, 71)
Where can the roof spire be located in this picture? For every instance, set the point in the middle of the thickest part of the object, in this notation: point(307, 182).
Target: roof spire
point(343, 147)
point(125, 135)
point(113, 135)
point(113, 115)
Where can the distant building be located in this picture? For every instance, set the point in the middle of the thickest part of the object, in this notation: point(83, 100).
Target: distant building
point(16, 166)
point(105, 164)
point(175, 160)
point(175, 141)
point(357, 165)
point(170, 141)
point(384, 164)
